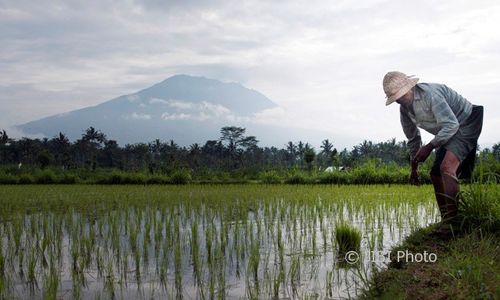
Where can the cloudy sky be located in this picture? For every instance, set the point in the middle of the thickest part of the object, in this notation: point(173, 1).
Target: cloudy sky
point(321, 61)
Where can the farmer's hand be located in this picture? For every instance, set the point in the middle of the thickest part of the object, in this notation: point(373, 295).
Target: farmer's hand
point(423, 153)
point(414, 177)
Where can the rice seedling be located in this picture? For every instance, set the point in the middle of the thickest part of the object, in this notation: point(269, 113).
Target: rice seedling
point(348, 238)
point(198, 241)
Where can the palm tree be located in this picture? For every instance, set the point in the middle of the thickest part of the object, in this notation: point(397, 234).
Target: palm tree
point(309, 156)
point(300, 152)
point(61, 145)
point(4, 139)
point(93, 140)
point(212, 152)
point(155, 149)
point(28, 148)
point(194, 155)
point(112, 154)
point(326, 152)
point(291, 153)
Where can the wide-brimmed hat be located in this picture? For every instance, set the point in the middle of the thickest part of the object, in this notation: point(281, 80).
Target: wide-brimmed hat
point(396, 84)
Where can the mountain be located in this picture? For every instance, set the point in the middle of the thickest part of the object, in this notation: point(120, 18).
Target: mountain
point(182, 108)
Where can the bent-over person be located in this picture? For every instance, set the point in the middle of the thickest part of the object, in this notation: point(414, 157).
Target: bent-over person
point(456, 125)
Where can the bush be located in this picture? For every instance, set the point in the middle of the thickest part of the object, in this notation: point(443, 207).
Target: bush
point(157, 179)
point(113, 178)
point(7, 179)
point(180, 177)
point(45, 177)
point(270, 177)
point(134, 178)
point(68, 179)
point(296, 178)
point(26, 179)
point(336, 177)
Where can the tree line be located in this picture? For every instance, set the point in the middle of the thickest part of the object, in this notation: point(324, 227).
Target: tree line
point(234, 150)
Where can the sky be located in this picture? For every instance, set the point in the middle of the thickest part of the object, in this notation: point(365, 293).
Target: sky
point(322, 61)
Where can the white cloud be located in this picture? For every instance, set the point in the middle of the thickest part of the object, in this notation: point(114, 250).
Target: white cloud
point(200, 111)
point(216, 110)
point(157, 101)
point(322, 61)
point(180, 104)
point(139, 116)
point(181, 116)
point(271, 116)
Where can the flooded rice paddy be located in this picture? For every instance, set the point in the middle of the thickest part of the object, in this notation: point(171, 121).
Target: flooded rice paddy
point(199, 241)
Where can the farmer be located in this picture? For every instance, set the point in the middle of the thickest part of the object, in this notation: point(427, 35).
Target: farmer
point(456, 125)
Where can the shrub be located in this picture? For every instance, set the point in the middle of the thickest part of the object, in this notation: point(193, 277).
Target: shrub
point(134, 178)
point(270, 177)
point(180, 177)
point(45, 177)
point(224, 176)
point(68, 179)
point(336, 177)
point(26, 179)
point(7, 179)
point(157, 179)
point(113, 178)
point(296, 177)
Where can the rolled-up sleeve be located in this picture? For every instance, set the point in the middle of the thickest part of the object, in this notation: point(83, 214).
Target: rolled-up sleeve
point(411, 132)
point(446, 120)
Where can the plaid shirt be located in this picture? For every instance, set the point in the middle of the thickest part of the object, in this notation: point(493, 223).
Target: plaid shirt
point(436, 109)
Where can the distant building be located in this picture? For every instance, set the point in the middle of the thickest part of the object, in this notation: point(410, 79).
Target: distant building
point(332, 168)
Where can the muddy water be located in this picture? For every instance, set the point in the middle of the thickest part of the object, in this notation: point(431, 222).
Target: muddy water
point(274, 249)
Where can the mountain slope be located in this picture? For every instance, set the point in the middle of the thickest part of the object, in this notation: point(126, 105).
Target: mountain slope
point(182, 108)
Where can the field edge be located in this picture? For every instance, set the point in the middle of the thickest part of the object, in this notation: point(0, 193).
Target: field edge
point(467, 267)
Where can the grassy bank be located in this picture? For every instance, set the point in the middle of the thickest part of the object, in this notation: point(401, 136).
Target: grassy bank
point(468, 261)
point(368, 173)
point(467, 268)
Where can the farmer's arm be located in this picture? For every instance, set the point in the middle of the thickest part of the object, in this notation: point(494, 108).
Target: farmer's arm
point(411, 131)
point(414, 142)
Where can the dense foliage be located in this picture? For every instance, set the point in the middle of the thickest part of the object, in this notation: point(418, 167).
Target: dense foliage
point(234, 157)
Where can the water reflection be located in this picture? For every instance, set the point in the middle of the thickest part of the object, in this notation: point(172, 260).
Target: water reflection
point(279, 248)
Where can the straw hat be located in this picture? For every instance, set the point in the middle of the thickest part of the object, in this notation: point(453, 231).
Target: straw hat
point(396, 84)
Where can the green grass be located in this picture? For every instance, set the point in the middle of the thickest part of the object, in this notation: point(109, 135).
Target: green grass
point(467, 268)
point(468, 264)
point(371, 172)
point(479, 206)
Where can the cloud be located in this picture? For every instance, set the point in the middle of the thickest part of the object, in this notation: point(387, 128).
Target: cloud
point(199, 111)
point(139, 116)
point(180, 116)
point(180, 104)
point(216, 110)
point(321, 61)
point(158, 101)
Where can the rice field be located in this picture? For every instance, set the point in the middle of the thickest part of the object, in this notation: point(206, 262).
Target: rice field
point(199, 241)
